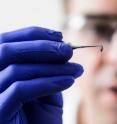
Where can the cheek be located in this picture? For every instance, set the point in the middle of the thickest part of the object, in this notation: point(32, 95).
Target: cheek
point(90, 60)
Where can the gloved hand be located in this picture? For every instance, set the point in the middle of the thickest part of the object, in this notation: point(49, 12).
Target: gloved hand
point(33, 72)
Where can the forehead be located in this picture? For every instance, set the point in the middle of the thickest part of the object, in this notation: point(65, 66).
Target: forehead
point(94, 6)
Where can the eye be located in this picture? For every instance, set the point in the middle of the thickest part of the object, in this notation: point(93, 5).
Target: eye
point(103, 30)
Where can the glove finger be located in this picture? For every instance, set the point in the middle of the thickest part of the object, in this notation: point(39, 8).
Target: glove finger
point(49, 106)
point(24, 91)
point(18, 72)
point(34, 52)
point(54, 100)
point(29, 34)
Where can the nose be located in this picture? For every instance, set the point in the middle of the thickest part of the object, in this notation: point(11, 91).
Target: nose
point(110, 55)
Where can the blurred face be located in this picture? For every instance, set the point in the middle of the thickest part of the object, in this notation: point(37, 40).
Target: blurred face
point(98, 22)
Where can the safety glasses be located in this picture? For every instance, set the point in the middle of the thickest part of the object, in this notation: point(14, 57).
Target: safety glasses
point(97, 26)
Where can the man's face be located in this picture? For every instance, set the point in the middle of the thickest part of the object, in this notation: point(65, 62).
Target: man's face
point(99, 82)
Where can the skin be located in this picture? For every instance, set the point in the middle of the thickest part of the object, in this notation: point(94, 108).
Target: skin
point(98, 100)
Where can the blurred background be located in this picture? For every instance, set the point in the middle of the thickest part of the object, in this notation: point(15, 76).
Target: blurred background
point(93, 97)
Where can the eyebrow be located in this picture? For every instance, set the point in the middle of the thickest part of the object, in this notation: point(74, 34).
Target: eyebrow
point(102, 17)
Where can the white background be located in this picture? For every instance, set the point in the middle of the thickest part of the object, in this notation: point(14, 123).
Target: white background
point(21, 13)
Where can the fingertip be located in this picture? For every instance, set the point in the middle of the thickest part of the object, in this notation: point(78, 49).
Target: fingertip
point(46, 34)
point(79, 70)
point(57, 34)
point(67, 82)
point(66, 51)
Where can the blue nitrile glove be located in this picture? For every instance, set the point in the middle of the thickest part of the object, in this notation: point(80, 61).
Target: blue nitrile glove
point(33, 72)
